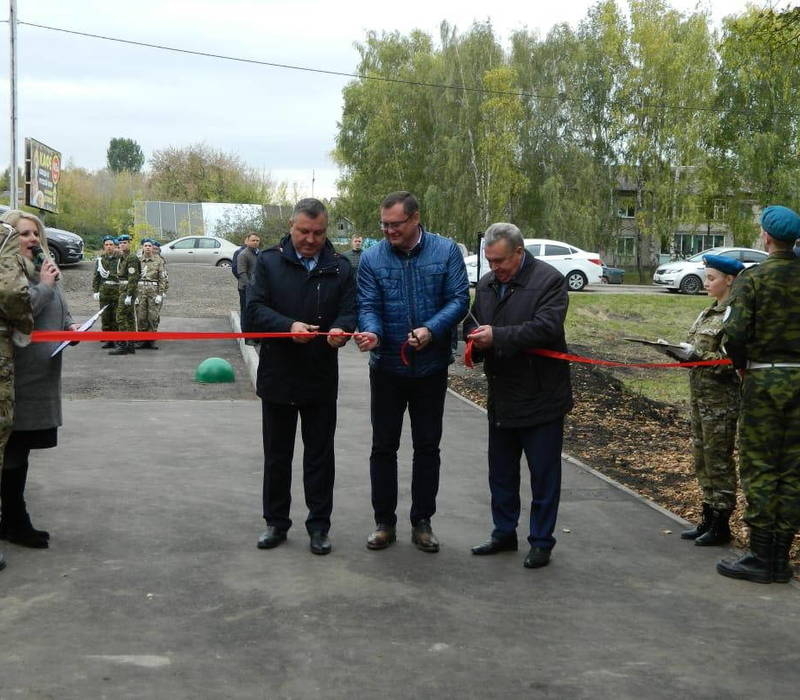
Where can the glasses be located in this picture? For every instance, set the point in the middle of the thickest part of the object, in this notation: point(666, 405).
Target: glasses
point(393, 225)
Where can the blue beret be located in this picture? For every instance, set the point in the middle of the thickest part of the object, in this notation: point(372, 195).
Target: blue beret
point(727, 266)
point(155, 243)
point(781, 223)
point(124, 237)
point(109, 238)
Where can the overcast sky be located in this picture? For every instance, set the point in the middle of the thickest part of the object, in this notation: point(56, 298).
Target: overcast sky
point(77, 93)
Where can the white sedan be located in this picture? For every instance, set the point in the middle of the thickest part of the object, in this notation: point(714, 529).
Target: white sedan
point(687, 276)
point(199, 249)
point(579, 267)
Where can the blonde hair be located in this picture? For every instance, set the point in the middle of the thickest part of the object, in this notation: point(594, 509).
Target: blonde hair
point(14, 216)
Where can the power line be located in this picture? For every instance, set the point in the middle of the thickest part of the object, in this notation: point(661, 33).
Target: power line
point(378, 78)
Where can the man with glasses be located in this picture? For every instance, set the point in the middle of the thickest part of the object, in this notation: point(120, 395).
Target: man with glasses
point(412, 293)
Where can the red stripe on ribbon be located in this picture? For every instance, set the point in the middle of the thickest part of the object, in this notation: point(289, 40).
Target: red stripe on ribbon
point(606, 363)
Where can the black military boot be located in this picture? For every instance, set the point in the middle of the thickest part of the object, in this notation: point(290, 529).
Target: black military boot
point(782, 570)
point(108, 344)
point(121, 349)
point(719, 530)
point(701, 527)
point(755, 565)
point(131, 347)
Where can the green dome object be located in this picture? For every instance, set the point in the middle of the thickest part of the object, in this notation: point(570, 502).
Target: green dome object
point(214, 370)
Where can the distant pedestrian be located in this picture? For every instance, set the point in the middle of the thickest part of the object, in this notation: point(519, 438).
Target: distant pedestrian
point(105, 285)
point(245, 269)
point(302, 285)
point(714, 407)
point(763, 340)
point(128, 270)
point(412, 293)
point(519, 305)
point(151, 288)
point(354, 254)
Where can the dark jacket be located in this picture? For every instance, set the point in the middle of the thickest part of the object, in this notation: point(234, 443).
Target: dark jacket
point(282, 292)
point(399, 291)
point(245, 266)
point(524, 390)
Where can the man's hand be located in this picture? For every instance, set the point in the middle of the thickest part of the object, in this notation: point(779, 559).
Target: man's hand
point(74, 327)
point(300, 327)
point(481, 337)
point(366, 341)
point(337, 338)
point(419, 338)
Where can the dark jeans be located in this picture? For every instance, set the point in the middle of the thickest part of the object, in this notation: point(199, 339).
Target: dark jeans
point(424, 398)
point(542, 447)
point(279, 425)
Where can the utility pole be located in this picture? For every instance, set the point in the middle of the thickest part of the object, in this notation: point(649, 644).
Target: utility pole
point(12, 167)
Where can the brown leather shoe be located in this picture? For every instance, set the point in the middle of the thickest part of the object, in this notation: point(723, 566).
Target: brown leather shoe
point(382, 537)
point(423, 537)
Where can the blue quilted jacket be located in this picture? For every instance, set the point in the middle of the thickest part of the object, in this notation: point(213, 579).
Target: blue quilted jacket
point(399, 291)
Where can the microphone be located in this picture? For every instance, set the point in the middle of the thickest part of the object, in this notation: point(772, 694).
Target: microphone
point(39, 257)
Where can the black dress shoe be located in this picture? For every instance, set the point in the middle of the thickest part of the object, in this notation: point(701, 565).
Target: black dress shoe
point(422, 536)
point(382, 536)
point(26, 537)
point(536, 558)
point(494, 545)
point(320, 544)
point(271, 537)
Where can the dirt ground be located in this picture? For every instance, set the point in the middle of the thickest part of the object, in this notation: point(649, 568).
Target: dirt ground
point(640, 443)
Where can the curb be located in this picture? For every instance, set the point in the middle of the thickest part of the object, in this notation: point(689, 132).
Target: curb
point(249, 354)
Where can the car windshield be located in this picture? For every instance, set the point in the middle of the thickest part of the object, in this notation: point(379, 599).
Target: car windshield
point(699, 256)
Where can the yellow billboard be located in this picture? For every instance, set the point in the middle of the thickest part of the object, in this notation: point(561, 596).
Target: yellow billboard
point(42, 173)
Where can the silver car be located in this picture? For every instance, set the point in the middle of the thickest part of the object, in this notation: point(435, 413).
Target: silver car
point(688, 276)
point(199, 249)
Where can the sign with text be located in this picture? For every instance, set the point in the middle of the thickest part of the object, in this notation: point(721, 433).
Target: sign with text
point(42, 173)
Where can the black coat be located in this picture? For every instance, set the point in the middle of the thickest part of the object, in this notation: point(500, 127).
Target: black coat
point(524, 390)
point(282, 292)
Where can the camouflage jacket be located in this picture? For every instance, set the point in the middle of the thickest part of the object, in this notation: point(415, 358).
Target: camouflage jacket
point(764, 321)
point(128, 270)
point(706, 335)
point(15, 298)
point(105, 269)
point(154, 269)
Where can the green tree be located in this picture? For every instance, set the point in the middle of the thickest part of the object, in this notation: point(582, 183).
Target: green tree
point(124, 154)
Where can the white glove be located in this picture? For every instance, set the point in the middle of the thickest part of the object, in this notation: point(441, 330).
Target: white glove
point(96, 296)
point(20, 339)
point(686, 353)
point(128, 301)
point(157, 299)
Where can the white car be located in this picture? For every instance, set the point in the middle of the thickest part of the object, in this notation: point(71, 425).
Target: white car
point(579, 267)
point(199, 249)
point(688, 276)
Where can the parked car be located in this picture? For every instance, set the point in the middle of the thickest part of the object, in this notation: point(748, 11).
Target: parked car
point(579, 267)
point(613, 275)
point(688, 276)
point(65, 247)
point(199, 249)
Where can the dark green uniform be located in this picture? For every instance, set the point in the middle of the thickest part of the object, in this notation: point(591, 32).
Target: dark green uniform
point(763, 336)
point(715, 410)
point(128, 270)
point(106, 284)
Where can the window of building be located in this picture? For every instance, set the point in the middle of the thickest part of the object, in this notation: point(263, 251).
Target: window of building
point(627, 211)
point(688, 244)
point(720, 209)
point(626, 247)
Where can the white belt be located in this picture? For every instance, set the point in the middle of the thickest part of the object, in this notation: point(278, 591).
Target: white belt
point(770, 365)
point(147, 282)
point(110, 282)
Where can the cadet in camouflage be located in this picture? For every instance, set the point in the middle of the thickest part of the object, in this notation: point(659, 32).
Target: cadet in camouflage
point(714, 408)
point(105, 285)
point(152, 287)
point(128, 270)
point(16, 320)
point(763, 339)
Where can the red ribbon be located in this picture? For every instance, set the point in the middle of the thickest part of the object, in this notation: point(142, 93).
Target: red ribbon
point(606, 363)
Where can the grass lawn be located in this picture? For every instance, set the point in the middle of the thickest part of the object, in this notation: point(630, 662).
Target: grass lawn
point(597, 324)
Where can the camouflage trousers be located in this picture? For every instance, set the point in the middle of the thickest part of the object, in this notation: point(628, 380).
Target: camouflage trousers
point(126, 320)
point(148, 313)
point(109, 296)
point(769, 448)
point(713, 440)
point(6, 393)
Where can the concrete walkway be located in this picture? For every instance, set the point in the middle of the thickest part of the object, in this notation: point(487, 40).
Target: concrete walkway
point(154, 588)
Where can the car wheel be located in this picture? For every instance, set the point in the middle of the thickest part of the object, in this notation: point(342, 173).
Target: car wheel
point(576, 281)
point(224, 263)
point(604, 280)
point(55, 254)
point(691, 284)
